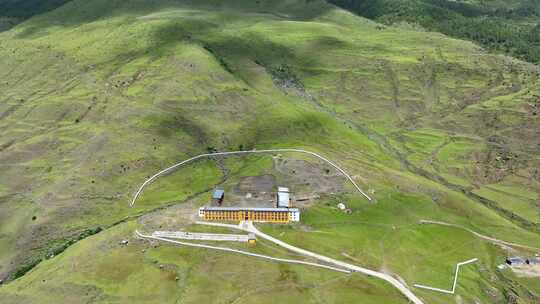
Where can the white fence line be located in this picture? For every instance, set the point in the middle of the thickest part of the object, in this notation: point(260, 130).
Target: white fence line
point(455, 279)
point(155, 176)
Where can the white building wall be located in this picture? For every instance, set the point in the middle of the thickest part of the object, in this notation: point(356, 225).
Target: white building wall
point(294, 216)
point(283, 197)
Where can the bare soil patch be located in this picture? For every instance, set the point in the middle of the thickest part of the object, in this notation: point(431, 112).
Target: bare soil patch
point(308, 178)
point(174, 217)
point(253, 191)
point(527, 271)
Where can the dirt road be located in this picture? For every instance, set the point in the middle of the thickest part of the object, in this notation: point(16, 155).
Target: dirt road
point(248, 226)
point(487, 238)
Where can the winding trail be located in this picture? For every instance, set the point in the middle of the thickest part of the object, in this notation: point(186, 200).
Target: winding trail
point(241, 252)
point(485, 237)
point(166, 170)
point(248, 226)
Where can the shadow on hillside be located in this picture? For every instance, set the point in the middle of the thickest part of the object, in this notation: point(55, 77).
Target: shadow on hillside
point(78, 12)
point(231, 49)
point(169, 125)
point(195, 22)
point(14, 12)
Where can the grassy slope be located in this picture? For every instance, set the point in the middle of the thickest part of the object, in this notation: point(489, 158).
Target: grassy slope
point(97, 270)
point(510, 27)
point(116, 90)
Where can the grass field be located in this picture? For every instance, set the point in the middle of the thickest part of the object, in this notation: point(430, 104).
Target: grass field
point(99, 95)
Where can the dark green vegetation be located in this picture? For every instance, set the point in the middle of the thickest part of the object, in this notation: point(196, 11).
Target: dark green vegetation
point(13, 12)
point(510, 26)
point(97, 95)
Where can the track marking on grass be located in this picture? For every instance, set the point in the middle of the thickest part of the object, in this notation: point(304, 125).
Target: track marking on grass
point(485, 237)
point(164, 171)
point(248, 226)
point(455, 279)
point(242, 252)
point(220, 237)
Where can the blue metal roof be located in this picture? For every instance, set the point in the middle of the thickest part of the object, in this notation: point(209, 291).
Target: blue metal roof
point(516, 260)
point(218, 193)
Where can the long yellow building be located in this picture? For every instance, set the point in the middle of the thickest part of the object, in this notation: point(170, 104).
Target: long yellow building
point(273, 215)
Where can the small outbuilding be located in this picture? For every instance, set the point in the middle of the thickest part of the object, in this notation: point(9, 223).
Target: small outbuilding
point(283, 197)
point(252, 240)
point(217, 197)
point(514, 261)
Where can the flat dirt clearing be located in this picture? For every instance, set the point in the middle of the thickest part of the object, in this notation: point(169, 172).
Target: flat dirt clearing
point(527, 271)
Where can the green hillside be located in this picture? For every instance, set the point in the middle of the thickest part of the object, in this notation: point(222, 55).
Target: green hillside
point(510, 27)
point(98, 95)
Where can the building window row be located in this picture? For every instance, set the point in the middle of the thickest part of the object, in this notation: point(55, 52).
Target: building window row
point(251, 215)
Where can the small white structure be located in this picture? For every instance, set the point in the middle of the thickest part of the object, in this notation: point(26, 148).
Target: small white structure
point(283, 197)
point(294, 215)
point(341, 206)
point(202, 236)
